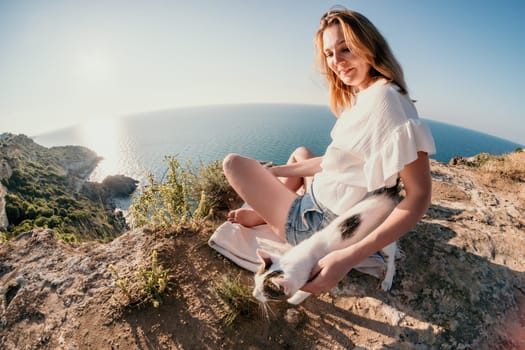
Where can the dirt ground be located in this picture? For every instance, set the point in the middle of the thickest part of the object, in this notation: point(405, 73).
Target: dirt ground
point(460, 284)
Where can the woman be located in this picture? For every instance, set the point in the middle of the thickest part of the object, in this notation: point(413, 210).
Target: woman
point(376, 139)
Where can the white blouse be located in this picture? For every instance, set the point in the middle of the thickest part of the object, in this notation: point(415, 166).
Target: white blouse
point(371, 143)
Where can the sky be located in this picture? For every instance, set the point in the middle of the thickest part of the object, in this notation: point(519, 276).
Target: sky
point(63, 62)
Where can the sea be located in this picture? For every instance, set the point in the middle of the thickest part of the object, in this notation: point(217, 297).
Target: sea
point(137, 145)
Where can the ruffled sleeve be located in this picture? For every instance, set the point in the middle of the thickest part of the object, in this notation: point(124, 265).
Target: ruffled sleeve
point(382, 167)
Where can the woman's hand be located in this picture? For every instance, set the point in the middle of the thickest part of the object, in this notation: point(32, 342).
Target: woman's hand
point(272, 170)
point(303, 168)
point(327, 273)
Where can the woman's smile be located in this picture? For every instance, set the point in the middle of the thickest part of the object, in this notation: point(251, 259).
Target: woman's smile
point(345, 71)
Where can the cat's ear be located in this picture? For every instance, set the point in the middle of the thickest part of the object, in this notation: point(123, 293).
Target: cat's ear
point(265, 257)
point(283, 283)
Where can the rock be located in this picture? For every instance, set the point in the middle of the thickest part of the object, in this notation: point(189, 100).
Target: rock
point(119, 185)
point(5, 169)
point(293, 316)
point(4, 222)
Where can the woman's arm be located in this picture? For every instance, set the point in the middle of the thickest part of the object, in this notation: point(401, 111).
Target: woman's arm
point(303, 168)
point(418, 187)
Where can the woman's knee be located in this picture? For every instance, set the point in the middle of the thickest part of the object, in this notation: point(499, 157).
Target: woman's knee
point(229, 162)
point(302, 153)
point(233, 163)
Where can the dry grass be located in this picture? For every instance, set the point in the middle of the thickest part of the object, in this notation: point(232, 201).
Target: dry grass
point(236, 298)
point(510, 166)
point(505, 172)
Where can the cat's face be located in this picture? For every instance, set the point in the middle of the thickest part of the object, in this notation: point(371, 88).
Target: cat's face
point(270, 282)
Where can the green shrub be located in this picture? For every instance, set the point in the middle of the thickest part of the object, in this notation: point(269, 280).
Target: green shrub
point(45, 211)
point(41, 221)
point(154, 280)
point(24, 226)
point(170, 203)
point(68, 237)
point(54, 222)
point(210, 179)
point(149, 286)
point(13, 213)
point(31, 212)
point(4, 236)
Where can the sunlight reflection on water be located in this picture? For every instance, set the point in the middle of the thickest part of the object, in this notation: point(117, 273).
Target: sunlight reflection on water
point(103, 137)
point(109, 140)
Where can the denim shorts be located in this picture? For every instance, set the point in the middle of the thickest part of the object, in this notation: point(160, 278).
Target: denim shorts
point(306, 216)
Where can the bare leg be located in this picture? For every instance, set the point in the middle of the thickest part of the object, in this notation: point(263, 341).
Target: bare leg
point(250, 217)
point(295, 183)
point(262, 191)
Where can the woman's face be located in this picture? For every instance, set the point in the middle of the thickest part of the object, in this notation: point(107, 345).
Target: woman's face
point(351, 69)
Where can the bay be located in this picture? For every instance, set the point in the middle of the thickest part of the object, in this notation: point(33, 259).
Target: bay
point(136, 145)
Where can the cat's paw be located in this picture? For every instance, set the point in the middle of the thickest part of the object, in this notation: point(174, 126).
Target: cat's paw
point(386, 284)
point(298, 297)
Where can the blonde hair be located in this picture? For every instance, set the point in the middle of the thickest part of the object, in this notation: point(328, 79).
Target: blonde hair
point(365, 41)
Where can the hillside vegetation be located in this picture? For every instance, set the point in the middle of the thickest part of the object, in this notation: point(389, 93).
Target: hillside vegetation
point(47, 187)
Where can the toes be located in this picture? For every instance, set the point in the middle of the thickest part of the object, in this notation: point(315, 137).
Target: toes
point(232, 216)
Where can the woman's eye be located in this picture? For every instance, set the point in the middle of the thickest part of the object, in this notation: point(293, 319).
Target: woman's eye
point(328, 54)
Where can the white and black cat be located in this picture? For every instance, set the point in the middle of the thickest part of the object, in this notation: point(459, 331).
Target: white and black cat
point(281, 276)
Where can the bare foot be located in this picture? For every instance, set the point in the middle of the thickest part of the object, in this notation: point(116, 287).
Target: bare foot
point(246, 217)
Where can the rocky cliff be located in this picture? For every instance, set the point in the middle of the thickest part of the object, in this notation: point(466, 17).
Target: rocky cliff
point(48, 187)
point(460, 284)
